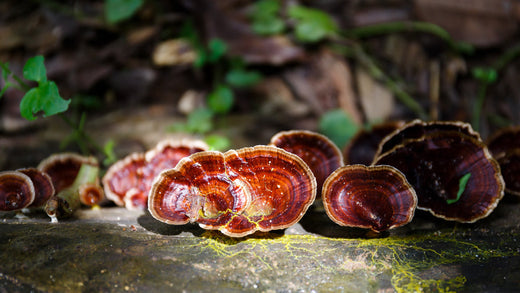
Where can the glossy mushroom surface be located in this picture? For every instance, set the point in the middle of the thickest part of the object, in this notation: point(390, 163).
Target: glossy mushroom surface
point(238, 192)
point(374, 197)
point(504, 145)
point(43, 187)
point(417, 129)
point(91, 194)
point(64, 167)
point(16, 191)
point(435, 165)
point(316, 150)
point(362, 148)
point(128, 181)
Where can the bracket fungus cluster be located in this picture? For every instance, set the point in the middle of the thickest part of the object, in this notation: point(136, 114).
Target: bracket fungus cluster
point(504, 145)
point(128, 181)
point(321, 155)
point(24, 188)
point(238, 192)
point(450, 168)
point(374, 197)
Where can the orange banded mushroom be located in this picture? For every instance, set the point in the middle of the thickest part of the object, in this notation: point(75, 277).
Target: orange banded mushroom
point(16, 191)
point(259, 188)
point(316, 150)
point(374, 197)
point(128, 181)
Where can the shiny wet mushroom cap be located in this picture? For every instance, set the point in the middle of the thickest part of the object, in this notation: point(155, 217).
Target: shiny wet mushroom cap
point(373, 197)
point(43, 187)
point(239, 192)
point(316, 150)
point(91, 194)
point(504, 145)
point(128, 181)
point(453, 174)
point(417, 129)
point(16, 191)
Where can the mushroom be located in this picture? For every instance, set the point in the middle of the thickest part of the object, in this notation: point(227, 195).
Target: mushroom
point(128, 181)
point(362, 148)
point(91, 193)
point(504, 145)
point(453, 173)
point(316, 150)
point(238, 192)
point(64, 167)
point(374, 197)
point(418, 128)
point(68, 172)
point(16, 191)
point(43, 187)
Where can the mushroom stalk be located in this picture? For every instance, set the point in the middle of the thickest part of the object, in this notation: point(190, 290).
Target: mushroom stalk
point(67, 201)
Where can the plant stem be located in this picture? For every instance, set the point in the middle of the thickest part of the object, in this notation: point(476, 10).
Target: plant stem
point(25, 87)
point(409, 26)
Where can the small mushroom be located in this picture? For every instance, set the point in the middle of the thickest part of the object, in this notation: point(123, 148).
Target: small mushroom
point(259, 188)
point(68, 171)
point(128, 181)
point(316, 150)
point(374, 197)
point(362, 148)
point(418, 128)
point(43, 187)
point(16, 191)
point(64, 167)
point(453, 174)
point(91, 193)
point(504, 145)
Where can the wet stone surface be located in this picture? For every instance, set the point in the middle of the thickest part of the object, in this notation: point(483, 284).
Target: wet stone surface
point(115, 250)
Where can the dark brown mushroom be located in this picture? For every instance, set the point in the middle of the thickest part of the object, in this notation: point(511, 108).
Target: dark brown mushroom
point(417, 129)
point(373, 197)
point(16, 191)
point(362, 148)
point(128, 181)
point(43, 187)
point(453, 174)
point(239, 192)
point(504, 145)
point(316, 150)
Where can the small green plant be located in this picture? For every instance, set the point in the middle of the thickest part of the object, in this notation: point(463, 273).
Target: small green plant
point(312, 25)
point(119, 10)
point(45, 98)
point(338, 126)
point(462, 186)
point(266, 19)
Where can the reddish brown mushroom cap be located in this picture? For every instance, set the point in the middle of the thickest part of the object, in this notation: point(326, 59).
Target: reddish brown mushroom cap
point(43, 187)
point(16, 191)
point(238, 192)
point(374, 197)
point(128, 181)
point(64, 167)
point(362, 148)
point(417, 129)
point(435, 164)
point(316, 150)
point(91, 194)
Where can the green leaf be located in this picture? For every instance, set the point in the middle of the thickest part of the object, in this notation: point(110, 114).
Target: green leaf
point(217, 48)
point(119, 10)
point(242, 78)
point(265, 18)
point(463, 181)
point(44, 98)
point(7, 85)
point(485, 74)
point(312, 25)
point(5, 72)
point(338, 126)
point(108, 150)
point(217, 142)
point(221, 99)
point(34, 69)
point(200, 121)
